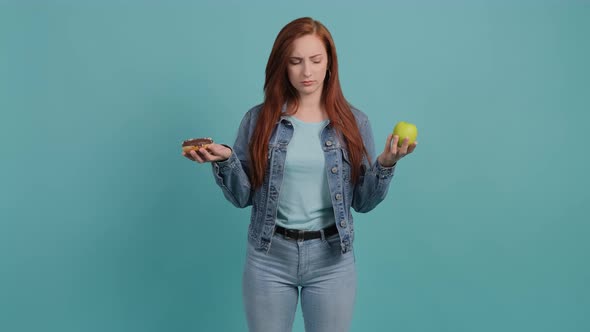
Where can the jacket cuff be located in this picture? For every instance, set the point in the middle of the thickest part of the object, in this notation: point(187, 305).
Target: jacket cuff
point(229, 163)
point(384, 172)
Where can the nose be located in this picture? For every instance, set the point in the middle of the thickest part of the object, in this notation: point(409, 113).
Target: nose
point(306, 69)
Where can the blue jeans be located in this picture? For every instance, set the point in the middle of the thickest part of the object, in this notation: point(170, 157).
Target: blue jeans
point(271, 283)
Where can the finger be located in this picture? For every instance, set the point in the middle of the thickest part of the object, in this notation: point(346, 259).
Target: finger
point(206, 155)
point(412, 147)
point(388, 143)
point(212, 148)
point(196, 156)
point(394, 146)
point(404, 149)
point(187, 156)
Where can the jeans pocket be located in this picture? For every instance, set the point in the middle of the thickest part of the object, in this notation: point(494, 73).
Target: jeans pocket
point(326, 244)
point(331, 241)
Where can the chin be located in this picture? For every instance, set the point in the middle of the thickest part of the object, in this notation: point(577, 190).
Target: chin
point(307, 90)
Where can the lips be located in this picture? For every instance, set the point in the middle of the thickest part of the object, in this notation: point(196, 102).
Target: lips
point(307, 82)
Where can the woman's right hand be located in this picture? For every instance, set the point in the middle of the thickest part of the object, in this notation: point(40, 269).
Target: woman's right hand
point(213, 152)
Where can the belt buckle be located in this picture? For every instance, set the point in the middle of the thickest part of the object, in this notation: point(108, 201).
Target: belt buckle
point(300, 235)
point(294, 234)
point(288, 234)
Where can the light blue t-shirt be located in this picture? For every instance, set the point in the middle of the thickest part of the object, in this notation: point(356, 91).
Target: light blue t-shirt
point(304, 199)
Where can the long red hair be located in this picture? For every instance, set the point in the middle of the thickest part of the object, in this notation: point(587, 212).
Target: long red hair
point(278, 90)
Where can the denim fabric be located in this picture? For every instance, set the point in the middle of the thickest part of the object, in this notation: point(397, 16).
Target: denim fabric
point(315, 269)
point(232, 177)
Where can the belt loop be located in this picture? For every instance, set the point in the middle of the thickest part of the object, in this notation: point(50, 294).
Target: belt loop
point(323, 235)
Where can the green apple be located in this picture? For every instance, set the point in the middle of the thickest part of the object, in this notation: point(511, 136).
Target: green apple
point(403, 130)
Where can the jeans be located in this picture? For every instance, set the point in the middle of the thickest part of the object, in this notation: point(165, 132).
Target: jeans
point(272, 282)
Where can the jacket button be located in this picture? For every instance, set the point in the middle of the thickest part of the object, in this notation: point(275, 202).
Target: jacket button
point(338, 196)
point(334, 169)
point(328, 143)
point(343, 223)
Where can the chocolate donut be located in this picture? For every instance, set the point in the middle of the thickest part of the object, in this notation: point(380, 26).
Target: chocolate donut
point(194, 144)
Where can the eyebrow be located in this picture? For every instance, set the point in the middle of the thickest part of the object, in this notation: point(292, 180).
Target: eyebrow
point(300, 58)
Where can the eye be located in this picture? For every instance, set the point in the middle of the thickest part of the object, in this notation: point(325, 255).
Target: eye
point(319, 61)
point(295, 62)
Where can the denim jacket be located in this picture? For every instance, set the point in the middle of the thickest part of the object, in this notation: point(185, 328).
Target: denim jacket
point(232, 176)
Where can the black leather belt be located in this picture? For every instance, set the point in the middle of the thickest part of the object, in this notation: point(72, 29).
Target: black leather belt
point(301, 235)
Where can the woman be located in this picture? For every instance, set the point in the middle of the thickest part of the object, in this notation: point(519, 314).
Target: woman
point(302, 159)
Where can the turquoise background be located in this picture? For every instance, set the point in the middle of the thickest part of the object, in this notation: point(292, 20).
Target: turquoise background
point(105, 227)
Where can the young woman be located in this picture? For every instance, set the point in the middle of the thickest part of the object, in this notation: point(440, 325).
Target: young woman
point(302, 159)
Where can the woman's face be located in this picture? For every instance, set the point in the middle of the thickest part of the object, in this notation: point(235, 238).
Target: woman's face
point(307, 65)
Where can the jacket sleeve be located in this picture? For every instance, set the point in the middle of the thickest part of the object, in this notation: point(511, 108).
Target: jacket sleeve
point(374, 181)
point(231, 175)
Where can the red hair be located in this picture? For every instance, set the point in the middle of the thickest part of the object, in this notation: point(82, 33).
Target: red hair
point(278, 90)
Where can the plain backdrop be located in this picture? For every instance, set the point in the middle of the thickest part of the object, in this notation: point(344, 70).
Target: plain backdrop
point(104, 226)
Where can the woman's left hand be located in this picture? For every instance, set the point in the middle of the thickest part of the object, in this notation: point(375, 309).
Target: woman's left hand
point(393, 153)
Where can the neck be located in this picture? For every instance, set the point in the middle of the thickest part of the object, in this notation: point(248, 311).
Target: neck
point(310, 108)
point(310, 102)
